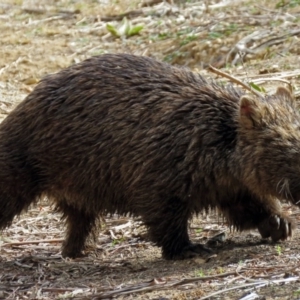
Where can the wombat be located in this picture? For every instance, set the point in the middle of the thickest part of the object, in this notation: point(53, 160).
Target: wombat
point(125, 134)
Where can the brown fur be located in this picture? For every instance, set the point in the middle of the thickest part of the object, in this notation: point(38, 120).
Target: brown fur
point(126, 134)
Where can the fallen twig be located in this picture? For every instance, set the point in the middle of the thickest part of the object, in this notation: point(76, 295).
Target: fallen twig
point(31, 242)
point(129, 15)
point(260, 283)
point(235, 80)
point(156, 284)
point(242, 45)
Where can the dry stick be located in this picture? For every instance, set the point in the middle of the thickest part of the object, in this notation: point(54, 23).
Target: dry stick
point(245, 277)
point(261, 80)
point(281, 74)
point(276, 40)
point(31, 242)
point(58, 290)
point(129, 14)
point(262, 283)
point(22, 265)
point(274, 79)
point(282, 268)
point(191, 280)
point(139, 288)
point(234, 79)
point(7, 103)
point(45, 20)
point(17, 286)
point(40, 11)
point(241, 45)
point(37, 11)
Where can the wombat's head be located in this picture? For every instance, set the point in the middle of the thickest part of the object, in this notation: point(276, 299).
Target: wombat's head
point(269, 145)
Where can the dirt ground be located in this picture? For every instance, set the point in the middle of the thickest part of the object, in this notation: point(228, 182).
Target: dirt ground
point(256, 43)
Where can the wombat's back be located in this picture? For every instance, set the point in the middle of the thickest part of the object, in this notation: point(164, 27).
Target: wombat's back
point(104, 132)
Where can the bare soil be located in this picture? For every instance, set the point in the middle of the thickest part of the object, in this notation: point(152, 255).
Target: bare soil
point(255, 42)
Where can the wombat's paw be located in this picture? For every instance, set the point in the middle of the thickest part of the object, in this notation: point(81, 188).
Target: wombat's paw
point(276, 227)
point(192, 250)
point(71, 253)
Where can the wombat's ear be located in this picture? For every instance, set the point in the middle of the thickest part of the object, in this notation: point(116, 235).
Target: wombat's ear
point(250, 112)
point(284, 93)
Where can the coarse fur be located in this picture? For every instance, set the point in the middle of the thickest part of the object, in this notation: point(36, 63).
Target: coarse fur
point(127, 134)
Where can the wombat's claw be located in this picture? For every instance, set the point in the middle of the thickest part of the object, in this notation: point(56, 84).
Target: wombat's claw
point(276, 227)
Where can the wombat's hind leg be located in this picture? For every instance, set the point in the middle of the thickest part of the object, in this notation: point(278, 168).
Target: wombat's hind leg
point(168, 228)
point(13, 202)
point(79, 226)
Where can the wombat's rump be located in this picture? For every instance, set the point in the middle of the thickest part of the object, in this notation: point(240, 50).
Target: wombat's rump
point(127, 134)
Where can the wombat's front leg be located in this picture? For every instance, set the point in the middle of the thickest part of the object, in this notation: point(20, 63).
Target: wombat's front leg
point(247, 211)
point(168, 228)
point(277, 227)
